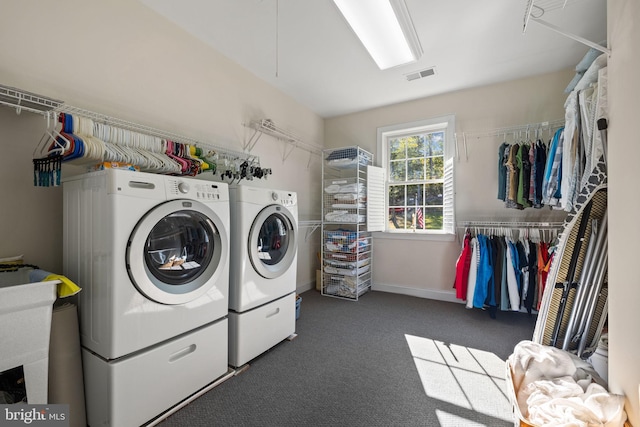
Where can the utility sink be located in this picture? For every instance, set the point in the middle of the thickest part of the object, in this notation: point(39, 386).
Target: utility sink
point(25, 327)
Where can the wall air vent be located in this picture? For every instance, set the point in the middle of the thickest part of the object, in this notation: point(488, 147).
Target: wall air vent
point(420, 74)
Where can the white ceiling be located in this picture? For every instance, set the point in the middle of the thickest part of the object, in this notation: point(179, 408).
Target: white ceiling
point(306, 49)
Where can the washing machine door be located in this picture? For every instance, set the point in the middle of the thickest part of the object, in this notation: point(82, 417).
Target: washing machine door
point(176, 251)
point(272, 241)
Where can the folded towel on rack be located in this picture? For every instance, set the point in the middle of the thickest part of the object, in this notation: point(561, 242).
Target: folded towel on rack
point(331, 189)
point(66, 287)
point(348, 205)
point(355, 188)
point(344, 216)
point(347, 196)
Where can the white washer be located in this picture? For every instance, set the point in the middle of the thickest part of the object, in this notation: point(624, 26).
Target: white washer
point(151, 254)
point(264, 229)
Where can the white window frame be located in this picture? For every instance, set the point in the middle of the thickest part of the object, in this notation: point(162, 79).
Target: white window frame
point(446, 123)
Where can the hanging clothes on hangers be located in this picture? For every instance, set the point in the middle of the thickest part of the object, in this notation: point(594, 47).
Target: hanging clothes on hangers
point(463, 265)
point(473, 272)
point(541, 158)
point(496, 271)
point(521, 174)
point(522, 158)
point(502, 171)
point(551, 190)
point(513, 177)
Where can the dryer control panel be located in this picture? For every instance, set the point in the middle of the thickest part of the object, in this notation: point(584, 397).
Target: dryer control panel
point(209, 191)
point(284, 198)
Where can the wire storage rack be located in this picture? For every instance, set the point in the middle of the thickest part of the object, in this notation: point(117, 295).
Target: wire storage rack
point(346, 242)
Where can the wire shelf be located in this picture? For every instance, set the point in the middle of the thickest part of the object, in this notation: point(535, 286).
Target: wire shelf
point(20, 99)
point(268, 127)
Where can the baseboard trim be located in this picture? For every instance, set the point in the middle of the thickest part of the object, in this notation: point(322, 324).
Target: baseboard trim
point(307, 286)
point(449, 296)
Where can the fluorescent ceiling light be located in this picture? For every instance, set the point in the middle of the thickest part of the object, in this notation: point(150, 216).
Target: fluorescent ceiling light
point(385, 29)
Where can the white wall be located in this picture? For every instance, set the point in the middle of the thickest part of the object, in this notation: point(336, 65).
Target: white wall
point(624, 204)
point(121, 59)
point(426, 267)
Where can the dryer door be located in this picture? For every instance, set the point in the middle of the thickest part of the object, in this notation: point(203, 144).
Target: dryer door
point(272, 241)
point(177, 251)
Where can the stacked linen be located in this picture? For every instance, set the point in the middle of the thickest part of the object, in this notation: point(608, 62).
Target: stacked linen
point(343, 241)
point(354, 188)
point(554, 387)
point(347, 198)
point(348, 158)
point(344, 216)
point(355, 271)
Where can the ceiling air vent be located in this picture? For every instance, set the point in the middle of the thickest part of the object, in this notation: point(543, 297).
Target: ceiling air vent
point(420, 74)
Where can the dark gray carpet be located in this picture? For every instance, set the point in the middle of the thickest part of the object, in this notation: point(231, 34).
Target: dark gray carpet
point(385, 360)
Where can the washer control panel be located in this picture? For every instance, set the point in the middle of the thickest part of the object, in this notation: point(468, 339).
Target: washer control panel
point(195, 189)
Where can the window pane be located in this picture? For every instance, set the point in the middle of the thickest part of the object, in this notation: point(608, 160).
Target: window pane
point(397, 219)
point(419, 218)
point(396, 195)
point(433, 194)
point(415, 169)
point(433, 218)
point(435, 167)
point(414, 146)
point(398, 170)
point(434, 145)
point(414, 195)
point(396, 149)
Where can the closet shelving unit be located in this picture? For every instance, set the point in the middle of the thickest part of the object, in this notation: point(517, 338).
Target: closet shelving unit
point(22, 100)
point(346, 242)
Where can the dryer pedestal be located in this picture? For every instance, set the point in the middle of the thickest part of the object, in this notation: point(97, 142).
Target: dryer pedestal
point(133, 390)
point(253, 332)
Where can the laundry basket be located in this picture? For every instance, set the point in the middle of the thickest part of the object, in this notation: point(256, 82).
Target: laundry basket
point(25, 326)
point(544, 363)
point(298, 302)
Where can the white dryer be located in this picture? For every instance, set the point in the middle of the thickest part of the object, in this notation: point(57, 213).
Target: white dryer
point(151, 254)
point(264, 230)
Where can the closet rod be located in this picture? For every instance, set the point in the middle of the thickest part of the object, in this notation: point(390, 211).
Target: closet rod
point(124, 124)
point(511, 224)
point(516, 128)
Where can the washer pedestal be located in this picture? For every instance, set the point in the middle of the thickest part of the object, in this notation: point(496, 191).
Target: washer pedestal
point(134, 389)
point(255, 331)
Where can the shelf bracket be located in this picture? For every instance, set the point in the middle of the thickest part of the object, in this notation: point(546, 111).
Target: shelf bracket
point(571, 36)
point(288, 152)
point(253, 140)
point(311, 226)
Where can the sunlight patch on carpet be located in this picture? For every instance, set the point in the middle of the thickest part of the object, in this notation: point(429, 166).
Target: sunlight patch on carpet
point(446, 419)
point(469, 378)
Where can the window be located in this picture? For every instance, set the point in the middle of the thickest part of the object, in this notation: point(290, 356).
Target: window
point(418, 159)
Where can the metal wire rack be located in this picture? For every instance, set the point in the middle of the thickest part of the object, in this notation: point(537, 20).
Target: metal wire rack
point(535, 9)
